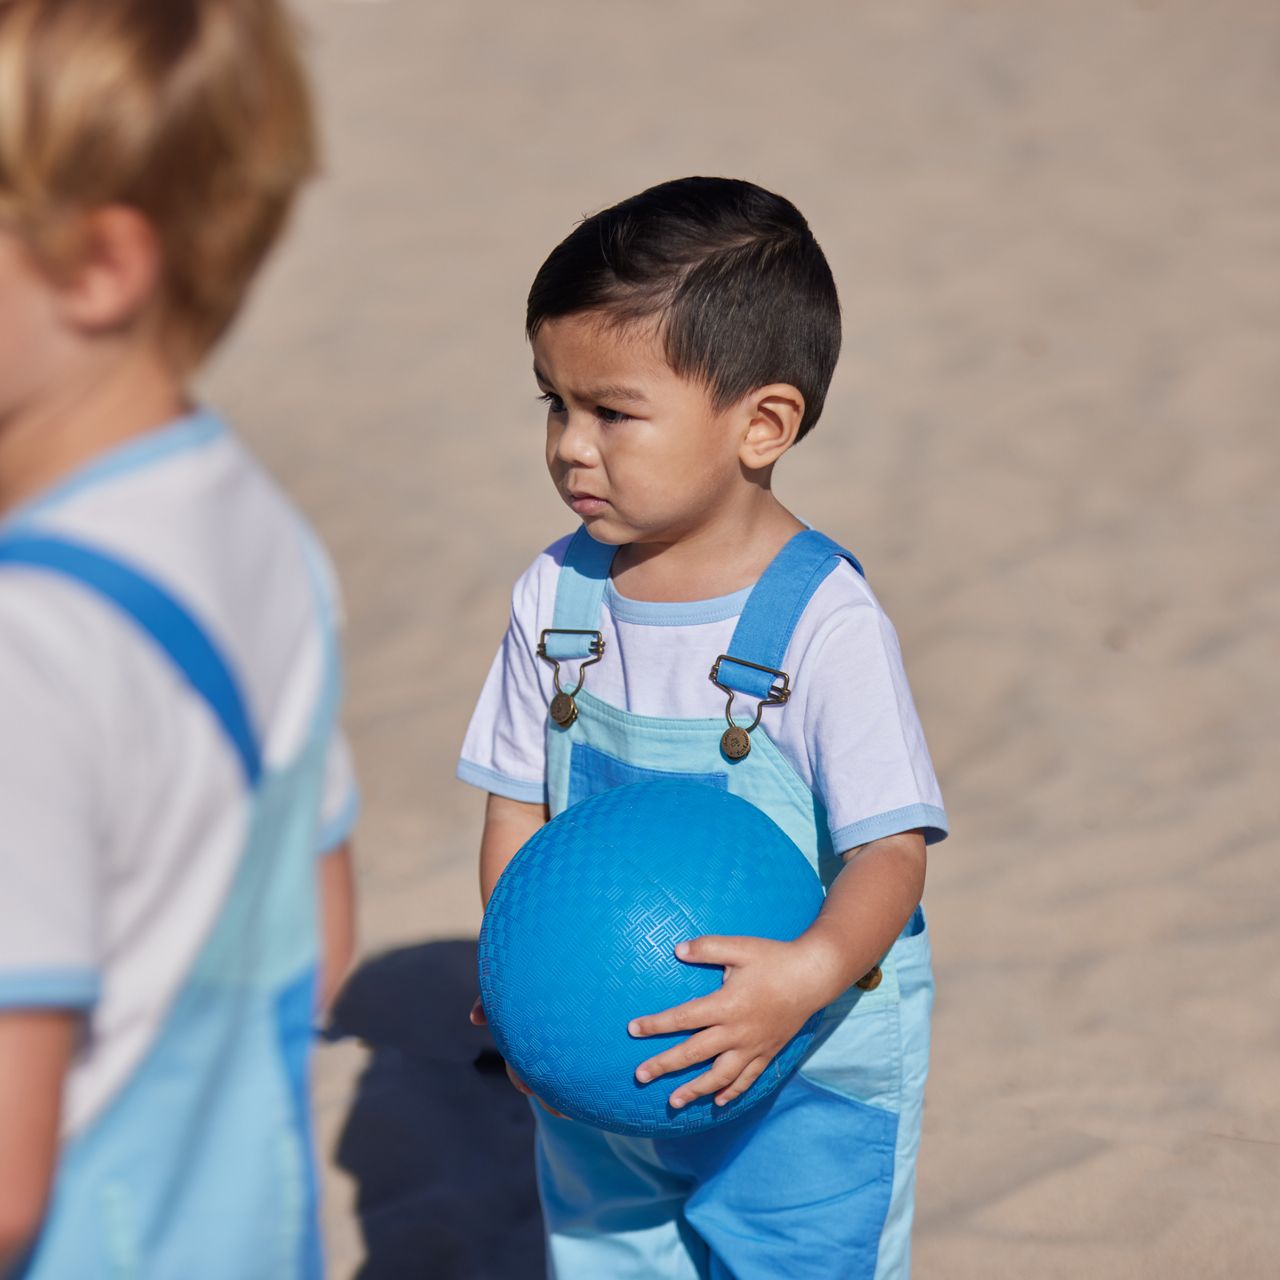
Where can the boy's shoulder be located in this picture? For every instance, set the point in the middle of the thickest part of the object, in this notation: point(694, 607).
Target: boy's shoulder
point(184, 503)
point(843, 623)
point(52, 636)
point(190, 512)
point(534, 590)
point(843, 593)
point(71, 685)
point(550, 560)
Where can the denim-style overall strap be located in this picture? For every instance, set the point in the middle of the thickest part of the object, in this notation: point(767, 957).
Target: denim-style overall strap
point(773, 609)
point(161, 617)
point(579, 595)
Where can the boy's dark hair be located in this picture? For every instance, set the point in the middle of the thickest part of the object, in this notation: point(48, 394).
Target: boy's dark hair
point(742, 291)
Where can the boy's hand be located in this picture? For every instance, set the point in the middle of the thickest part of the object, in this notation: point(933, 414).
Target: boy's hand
point(770, 989)
point(478, 1019)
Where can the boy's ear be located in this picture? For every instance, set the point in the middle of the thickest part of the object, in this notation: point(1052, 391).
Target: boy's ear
point(110, 276)
point(774, 414)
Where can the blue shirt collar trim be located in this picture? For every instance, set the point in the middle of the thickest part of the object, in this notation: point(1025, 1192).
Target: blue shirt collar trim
point(665, 613)
point(188, 432)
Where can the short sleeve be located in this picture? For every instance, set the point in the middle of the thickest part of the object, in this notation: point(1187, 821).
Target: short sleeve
point(504, 751)
point(51, 836)
point(867, 750)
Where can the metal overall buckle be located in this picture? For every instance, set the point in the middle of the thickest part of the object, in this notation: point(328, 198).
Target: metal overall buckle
point(563, 709)
point(735, 742)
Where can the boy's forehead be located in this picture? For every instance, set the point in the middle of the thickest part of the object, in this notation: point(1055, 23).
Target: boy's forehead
point(581, 353)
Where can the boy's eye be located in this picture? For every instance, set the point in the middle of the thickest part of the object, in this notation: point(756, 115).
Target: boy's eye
point(552, 401)
point(610, 415)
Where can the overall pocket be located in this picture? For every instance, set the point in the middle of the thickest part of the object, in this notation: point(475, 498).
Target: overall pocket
point(869, 1041)
point(592, 771)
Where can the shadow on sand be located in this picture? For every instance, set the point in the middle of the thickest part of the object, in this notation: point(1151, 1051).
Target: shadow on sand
point(439, 1143)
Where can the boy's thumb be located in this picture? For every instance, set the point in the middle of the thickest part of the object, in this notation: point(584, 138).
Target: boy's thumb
point(711, 949)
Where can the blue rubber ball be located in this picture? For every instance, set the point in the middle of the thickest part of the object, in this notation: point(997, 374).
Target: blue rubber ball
point(580, 934)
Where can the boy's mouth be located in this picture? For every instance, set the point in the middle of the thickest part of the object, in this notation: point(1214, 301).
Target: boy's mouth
point(586, 504)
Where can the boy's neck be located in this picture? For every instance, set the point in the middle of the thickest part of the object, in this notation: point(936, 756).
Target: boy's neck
point(721, 555)
point(42, 443)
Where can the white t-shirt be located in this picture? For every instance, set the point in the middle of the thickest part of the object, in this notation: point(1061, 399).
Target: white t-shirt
point(849, 729)
point(123, 806)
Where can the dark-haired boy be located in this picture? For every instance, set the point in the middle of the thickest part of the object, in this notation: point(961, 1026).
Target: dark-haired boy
point(683, 342)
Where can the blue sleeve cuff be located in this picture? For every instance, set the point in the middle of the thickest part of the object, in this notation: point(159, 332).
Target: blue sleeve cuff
point(49, 989)
point(501, 785)
point(928, 817)
point(338, 830)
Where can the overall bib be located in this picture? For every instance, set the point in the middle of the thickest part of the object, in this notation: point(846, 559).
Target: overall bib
point(819, 1182)
point(201, 1167)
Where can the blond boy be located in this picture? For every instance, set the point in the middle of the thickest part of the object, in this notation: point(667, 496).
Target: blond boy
point(170, 767)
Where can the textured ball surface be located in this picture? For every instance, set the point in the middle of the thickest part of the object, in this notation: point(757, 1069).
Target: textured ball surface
point(579, 938)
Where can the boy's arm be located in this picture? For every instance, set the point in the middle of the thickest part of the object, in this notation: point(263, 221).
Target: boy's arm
point(36, 1047)
point(771, 988)
point(507, 825)
point(868, 906)
point(336, 887)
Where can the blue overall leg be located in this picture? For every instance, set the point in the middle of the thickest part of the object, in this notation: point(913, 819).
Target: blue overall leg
point(613, 1206)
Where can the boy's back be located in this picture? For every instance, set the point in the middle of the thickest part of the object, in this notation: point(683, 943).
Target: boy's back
point(166, 900)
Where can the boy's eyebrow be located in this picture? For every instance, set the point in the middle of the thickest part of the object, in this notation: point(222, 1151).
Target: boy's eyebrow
point(604, 391)
point(611, 391)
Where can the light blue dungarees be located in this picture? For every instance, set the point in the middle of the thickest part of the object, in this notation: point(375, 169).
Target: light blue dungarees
point(820, 1183)
point(201, 1167)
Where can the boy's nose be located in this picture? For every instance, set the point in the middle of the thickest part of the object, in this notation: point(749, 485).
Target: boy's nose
point(577, 444)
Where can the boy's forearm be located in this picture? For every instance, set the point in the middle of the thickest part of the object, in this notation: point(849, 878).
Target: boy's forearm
point(337, 921)
point(865, 911)
point(36, 1048)
point(507, 825)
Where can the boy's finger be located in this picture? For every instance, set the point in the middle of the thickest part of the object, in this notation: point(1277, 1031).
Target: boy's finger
point(750, 1074)
point(693, 1015)
point(727, 1068)
point(700, 1048)
point(520, 1085)
point(715, 949)
point(476, 1016)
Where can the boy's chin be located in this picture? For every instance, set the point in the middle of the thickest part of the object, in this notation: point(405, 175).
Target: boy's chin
point(610, 531)
point(603, 523)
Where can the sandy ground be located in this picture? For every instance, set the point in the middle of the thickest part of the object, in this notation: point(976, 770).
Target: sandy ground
point(1052, 438)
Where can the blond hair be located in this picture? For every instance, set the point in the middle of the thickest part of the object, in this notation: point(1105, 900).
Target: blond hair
point(196, 113)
